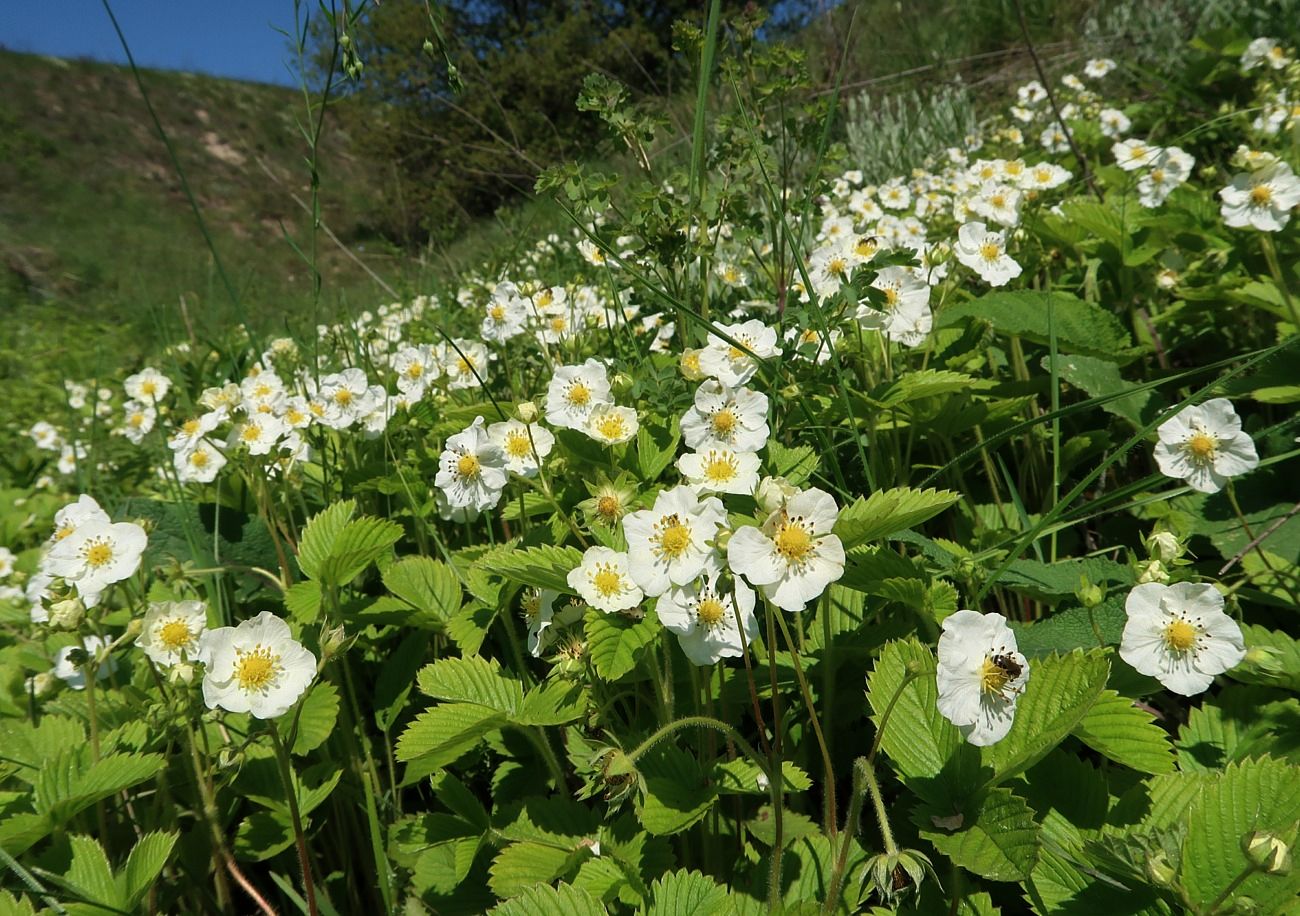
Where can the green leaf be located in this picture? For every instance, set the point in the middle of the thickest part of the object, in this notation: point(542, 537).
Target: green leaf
point(1072, 628)
point(303, 601)
point(441, 734)
point(1099, 378)
point(796, 464)
point(925, 383)
point(688, 893)
point(543, 899)
point(472, 679)
point(617, 642)
point(1261, 794)
point(1060, 692)
point(1116, 728)
point(676, 791)
point(263, 834)
point(69, 783)
point(520, 866)
point(536, 567)
point(335, 549)
point(1240, 722)
point(553, 702)
point(926, 749)
point(323, 529)
point(887, 512)
point(1051, 581)
point(1285, 670)
point(998, 838)
point(397, 678)
point(743, 777)
point(316, 721)
point(1081, 327)
point(427, 585)
point(655, 449)
point(90, 874)
point(143, 866)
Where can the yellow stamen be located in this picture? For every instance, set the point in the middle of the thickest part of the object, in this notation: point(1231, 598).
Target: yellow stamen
point(256, 669)
point(175, 634)
point(1180, 635)
point(711, 612)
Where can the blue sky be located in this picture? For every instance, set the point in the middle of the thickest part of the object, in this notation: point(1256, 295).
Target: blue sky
point(231, 38)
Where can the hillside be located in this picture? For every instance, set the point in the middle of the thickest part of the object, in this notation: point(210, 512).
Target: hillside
point(95, 226)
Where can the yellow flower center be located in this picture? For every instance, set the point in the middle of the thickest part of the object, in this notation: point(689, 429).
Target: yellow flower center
point(1137, 153)
point(468, 466)
point(199, 459)
point(343, 397)
point(250, 433)
point(558, 324)
point(532, 605)
point(137, 420)
point(517, 444)
point(175, 634)
point(793, 541)
point(498, 312)
point(149, 387)
point(1261, 195)
point(691, 363)
point(865, 247)
point(891, 295)
point(720, 468)
point(675, 537)
point(724, 422)
point(465, 366)
point(1202, 445)
point(607, 581)
point(990, 251)
point(294, 416)
point(711, 612)
point(256, 669)
point(414, 371)
point(998, 200)
point(99, 553)
point(1180, 635)
point(731, 275)
point(993, 677)
point(1158, 176)
point(579, 395)
point(837, 267)
point(262, 391)
point(545, 298)
point(611, 426)
point(607, 507)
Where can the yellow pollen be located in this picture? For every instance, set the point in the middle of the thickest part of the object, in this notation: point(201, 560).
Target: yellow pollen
point(64, 532)
point(545, 298)
point(731, 275)
point(498, 312)
point(837, 266)
point(675, 538)
point(607, 580)
point(343, 397)
point(137, 420)
point(294, 416)
point(99, 553)
point(1202, 446)
point(558, 324)
point(711, 612)
point(607, 507)
point(793, 541)
point(724, 422)
point(255, 670)
point(992, 678)
point(468, 466)
point(415, 370)
point(175, 634)
point(149, 387)
point(611, 426)
point(265, 408)
point(990, 251)
point(1138, 152)
point(1180, 635)
point(517, 444)
point(691, 362)
point(250, 432)
point(891, 295)
point(998, 200)
point(532, 605)
point(465, 366)
point(1261, 195)
point(261, 391)
point(199, 459)
point(865, 248)
point(317, 408)
point(579, 395)
point(1158, 176)
point(719, 468)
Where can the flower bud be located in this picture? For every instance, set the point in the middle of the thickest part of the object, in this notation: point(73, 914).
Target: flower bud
point(1164, 546)
point(331, 641)
point(428, 46)
point(1267, 852)
point(1090, 594)
point(1159, 871)
point(181, 673)
point(621, 383)
point(772, 492)
point(1266, 660)
point(526, 411)
point(41, 685)
point(1152, 571)
point(67, 614)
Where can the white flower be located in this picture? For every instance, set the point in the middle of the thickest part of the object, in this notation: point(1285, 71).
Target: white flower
point(1131, 155)
point(1204, 445)
point(97, 555)
point(523, 444)
point(198, 464)
point(894, 195)
point(1054, 139)
point(259, 433)
point(831, 265)
point(906, 317)
point(465, 363)
point(999, 203)
point(733, 365)
point(732, 275)
point(147, 385)
point(1180, 635)
point(985, 252)
point(415, 368)
point(1264, 51)
point(811, 344)
point(262, 393)
point(472, 469)
point(6, 562)
point(75, 675)
point(1114, 123)
point(722, 417)
point(574, 392)
point(538, 607)
point(720, 470)
point(45, 436)
point(671, 543)
point(609, 424)
point(1262, 199)
point(192, 431)
point(344, 396)
point(507, 313)
point(980, 675)
point(604, 581)
point(704, 617)
point(70, 518)
point(1097, 67)
point(793, 556)
point(172, 630)
point(256, 667)
point(138, 421)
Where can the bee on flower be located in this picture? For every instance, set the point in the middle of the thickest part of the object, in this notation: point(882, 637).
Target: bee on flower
point(980, 675)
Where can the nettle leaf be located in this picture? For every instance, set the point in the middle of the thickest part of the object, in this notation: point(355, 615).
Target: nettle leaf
point(926, 749)
point(315, 723)
point(1118, 729)
point(998, 838)
point(472, 679)
point(618, 642)
point(1052, 581)
point(1079, 326)
point(429, 586)
point(1099, 378)
point(688, 893)
point(677, 794)
point(1261, 794)
point(1061, 691)
point(887, 512)
point(537, 567)
point(563, 898)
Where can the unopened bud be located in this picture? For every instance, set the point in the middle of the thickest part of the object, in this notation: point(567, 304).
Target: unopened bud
point(772, 492)
point(1267, 852)
point(428, 46)
point(41, 685)
point(621, 383)
point(332, 641)
point(527, 411)
point(67, 614)
point(181, 673)
point(1159, 871)
point(1090, 594)
point(1164, 546)
point(1266, 660)
point(1152, 571)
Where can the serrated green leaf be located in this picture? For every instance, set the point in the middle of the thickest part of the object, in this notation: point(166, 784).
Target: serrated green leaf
point(90, 874)
point(561, 899)
point(1115, 727)
point(998, 838)
point(796, 464)
point(688, 893)
point(335, 548)
point(425, 584)
point(537, 567)
point(1285, 668)
point(320, 710)
point(520, 866)
point(1060, 692)
point(441, 734)
point(397, 678)
point(743, 777)
point(263, 834)
point(1053, 581)
point(67, 784)
point(318, 537)
point(887, 512)
point(1100, 378)
point(143, 866)
point(1240, 722)
point(472, 679)
point(1079, 326)
point(925, 383)
point(676, 792)
point(1261, 794)
point(617, 642)
point(553, 702)
point(655, 449)
point(1066, 630)
point(303, 601)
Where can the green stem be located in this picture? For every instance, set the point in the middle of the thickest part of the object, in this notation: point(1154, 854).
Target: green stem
point(882, 818)
point(300, 838)
point(1270, 255)
point(1227, 891)
point(850, 830)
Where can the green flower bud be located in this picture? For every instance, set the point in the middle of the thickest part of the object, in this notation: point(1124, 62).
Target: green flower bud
point(772, 492)
point(1267, 852)
point(1159, 871)
point(526, 411)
